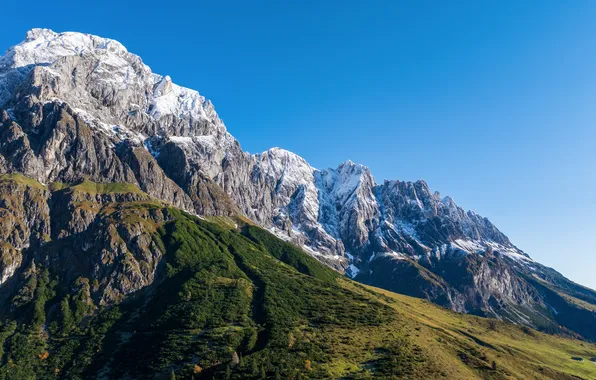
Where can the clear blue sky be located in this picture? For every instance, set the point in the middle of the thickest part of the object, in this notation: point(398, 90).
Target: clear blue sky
point(491, 102)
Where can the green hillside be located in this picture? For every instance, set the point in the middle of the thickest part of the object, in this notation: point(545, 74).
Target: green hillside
point(231, 301)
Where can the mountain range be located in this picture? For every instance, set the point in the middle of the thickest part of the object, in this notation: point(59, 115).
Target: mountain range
point(99, 155)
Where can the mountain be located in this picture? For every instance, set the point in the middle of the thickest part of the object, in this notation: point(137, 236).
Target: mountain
point(106, 281)
point(80, 110)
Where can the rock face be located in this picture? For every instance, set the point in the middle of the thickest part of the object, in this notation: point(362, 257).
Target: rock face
point(24, 221)
point(77, 107)
point(88, 231)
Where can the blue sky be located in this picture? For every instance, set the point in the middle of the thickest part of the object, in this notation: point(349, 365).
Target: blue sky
point(491, 102)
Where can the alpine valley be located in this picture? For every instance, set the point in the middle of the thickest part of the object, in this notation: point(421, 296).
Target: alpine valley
point(138, 240)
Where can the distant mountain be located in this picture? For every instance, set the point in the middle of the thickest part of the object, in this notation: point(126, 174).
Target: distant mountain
point(76, 107)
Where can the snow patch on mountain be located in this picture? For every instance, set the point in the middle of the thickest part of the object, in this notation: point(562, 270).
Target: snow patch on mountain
point(118, 132)
point(171, 99)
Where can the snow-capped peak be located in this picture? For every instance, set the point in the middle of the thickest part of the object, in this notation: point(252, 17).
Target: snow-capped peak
point(44, 46)
point(277, 161)
point(110, 64)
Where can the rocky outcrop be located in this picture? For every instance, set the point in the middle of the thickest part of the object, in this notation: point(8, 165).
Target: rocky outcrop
point(117, 251)
point(24, 213)
point(101, 233)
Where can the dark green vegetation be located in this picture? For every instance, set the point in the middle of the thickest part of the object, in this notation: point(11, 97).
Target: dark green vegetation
point(225, 304)
point(230, 302)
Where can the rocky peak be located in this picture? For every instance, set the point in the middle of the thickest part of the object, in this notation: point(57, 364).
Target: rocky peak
point(349, 179)
point(277, 162)
point(36, 33)
point(100, 78)
point(44, 46)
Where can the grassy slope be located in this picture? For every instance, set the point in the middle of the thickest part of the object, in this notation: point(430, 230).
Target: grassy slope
point(21, 180)
point(464, 346)
point(232, 292)
point(519, 353)
point(105, 188)
point(227, 294)
point(84, 186)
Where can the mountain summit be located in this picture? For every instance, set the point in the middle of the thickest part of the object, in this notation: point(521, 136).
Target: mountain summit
point(76, 107)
